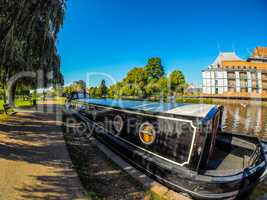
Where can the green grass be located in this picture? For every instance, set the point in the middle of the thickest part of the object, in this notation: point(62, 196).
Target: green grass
point(178, 99)
point(18, 103)
point(195, 100)
point(21, 102)
point(1, 104)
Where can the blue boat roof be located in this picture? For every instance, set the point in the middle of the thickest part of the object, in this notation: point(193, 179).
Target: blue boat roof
point(195, 110)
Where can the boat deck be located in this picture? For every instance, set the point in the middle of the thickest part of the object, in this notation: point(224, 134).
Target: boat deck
point(236, 159)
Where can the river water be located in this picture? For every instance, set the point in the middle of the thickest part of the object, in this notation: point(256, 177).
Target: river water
point(245, 117)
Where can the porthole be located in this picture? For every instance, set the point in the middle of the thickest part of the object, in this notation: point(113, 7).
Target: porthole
point(118, 123)
point(147, 133)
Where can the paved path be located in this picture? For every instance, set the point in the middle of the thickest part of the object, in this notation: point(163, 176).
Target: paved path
point(34, 162)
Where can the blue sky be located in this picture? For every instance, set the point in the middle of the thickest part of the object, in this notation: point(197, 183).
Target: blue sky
point(113, 36)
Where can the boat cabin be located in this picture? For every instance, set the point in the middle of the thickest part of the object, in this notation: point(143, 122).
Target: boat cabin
point(183, 134)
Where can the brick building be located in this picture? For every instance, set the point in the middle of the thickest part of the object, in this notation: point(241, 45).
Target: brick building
point(229, 74)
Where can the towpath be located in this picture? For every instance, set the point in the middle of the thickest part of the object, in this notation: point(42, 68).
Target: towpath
point(34, 161)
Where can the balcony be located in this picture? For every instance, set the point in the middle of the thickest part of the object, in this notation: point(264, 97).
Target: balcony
point(231, 76)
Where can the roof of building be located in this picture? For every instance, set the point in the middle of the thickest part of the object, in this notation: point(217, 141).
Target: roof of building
point(260, 52)
point(242, 64)
point(225, 56)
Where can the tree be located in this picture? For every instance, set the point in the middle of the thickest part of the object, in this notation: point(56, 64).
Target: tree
point(163, 86)
point(154, 69)
point(177, 81)
point(23, 90)
point(136, 75)
point(100, 91)
point(103, 90)
point(92, 91)
point(28, 35)
point(68, 90)
point(157, 88)
point(75, 87)
point(148, 81)
point(79, 86)
point(114, 91)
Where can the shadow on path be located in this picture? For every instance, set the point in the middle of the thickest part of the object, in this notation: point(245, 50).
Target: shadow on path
point(34, 162)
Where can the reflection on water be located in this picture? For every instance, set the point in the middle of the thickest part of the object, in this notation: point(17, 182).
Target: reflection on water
point(246, 118)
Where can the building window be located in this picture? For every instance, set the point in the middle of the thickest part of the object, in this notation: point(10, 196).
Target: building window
point(233, 67)
point(245, 67)
point(250, 67)
point(238, 67)
point(255, 67)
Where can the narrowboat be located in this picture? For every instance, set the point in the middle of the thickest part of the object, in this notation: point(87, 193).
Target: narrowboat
point(180, 145)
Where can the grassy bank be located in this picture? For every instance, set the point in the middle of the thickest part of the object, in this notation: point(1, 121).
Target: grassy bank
point(21, 102)
point(157, 99)
point(194, 100)
point(18, 103)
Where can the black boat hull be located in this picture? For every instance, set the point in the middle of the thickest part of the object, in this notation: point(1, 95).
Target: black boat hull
point(180, 178)
point(180, 155)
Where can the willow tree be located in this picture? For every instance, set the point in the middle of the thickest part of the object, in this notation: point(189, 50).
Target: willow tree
point(28, 35)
